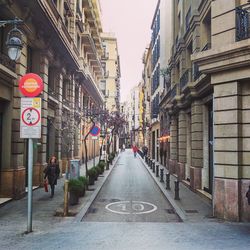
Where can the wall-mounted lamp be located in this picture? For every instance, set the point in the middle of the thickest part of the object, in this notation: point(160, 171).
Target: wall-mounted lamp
point(14, 39)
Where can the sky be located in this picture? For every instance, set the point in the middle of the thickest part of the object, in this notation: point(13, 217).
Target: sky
point(130, 20)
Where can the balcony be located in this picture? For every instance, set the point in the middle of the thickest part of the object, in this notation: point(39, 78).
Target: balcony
point(242, 22)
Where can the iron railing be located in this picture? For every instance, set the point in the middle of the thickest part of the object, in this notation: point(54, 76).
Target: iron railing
point(242, 22)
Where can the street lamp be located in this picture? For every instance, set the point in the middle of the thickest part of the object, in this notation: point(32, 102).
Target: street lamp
point(14, 39)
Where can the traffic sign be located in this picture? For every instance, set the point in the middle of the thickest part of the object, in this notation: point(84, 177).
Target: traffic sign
point(30, 122)
point(31, 85)
point(95, 131)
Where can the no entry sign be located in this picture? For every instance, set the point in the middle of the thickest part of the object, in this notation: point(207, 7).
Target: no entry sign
point(31, 85)
point(30, 122)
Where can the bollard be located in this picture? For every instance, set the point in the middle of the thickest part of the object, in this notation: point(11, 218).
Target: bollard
point(161, 175)
point(151, 164)
point(66, 200)
point(157, 171)
point(153, 167)
point(168, 181)
point(176, 190)
point(107, 165)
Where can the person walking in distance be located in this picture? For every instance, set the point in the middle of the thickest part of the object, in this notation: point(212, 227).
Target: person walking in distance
point(52, 172)
point(135, 149)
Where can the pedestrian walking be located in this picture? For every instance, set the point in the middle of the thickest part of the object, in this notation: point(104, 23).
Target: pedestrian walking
point(52, 173)
point(123, 147)
point(135, 150)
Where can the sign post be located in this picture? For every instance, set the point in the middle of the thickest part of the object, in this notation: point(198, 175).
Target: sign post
point(95, 132)
point(30, 85)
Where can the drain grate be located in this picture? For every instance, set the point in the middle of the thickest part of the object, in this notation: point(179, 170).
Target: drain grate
point(92, 210)
point(170, 211)
point(191, 211)
point(91, 189)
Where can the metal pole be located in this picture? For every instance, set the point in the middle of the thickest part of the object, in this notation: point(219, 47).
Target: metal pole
point(30, 175)
point(94, 152)
point(66, 200)
point(176, 190)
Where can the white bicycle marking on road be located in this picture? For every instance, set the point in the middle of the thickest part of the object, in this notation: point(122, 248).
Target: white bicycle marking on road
point(137, 206)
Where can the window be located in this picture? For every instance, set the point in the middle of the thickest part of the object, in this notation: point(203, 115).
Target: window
point(51, 80)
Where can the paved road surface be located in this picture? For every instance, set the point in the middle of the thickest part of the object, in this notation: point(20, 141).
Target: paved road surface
point(130, 195)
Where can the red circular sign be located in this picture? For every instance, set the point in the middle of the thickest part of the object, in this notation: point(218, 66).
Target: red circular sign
point(30, 116)
point(31, 85)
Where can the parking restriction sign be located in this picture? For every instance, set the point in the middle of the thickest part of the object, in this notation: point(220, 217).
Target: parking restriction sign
point(30, 122)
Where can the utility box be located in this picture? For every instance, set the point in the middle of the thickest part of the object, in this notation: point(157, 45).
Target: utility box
point(74, 171)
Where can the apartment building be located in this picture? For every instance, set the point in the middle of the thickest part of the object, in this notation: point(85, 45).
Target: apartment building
point(62, 44)
point(206, 102)
point(110, 85)
point(146, 76)
point(160, 40)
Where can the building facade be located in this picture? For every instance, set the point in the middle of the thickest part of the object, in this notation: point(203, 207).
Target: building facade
point(205, 102)
point(62, 44)
point(160, 44)
point(110, 85)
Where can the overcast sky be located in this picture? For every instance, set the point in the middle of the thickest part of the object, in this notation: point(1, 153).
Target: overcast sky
point(130, 20)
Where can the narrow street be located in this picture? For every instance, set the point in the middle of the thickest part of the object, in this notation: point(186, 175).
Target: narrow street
point(130, 195)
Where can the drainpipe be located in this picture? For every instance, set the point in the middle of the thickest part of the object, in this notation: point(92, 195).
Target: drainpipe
point(213, 205)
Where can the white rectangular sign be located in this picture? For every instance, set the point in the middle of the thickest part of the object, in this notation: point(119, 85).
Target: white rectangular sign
point(30, 120)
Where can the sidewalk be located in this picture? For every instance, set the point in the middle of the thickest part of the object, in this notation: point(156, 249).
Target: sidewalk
point(13, 215)
point(191, 207)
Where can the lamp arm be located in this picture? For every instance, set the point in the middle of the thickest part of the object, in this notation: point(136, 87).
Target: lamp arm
point(14, 21)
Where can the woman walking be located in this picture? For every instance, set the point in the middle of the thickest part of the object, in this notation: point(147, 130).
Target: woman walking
point(135, 150)
point(52, 172)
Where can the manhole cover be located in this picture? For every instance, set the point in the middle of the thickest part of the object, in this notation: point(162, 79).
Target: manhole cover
point(191, 211)
point(170, 211)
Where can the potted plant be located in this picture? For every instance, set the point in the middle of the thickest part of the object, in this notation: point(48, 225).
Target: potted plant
point(75, 187)
point(98, 171)
point(83, 180)
point(102, 166)
point(110, 159)
point(91, 174)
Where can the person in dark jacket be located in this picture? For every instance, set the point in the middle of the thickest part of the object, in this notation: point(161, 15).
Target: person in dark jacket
point(52, 172)
point(248, 195)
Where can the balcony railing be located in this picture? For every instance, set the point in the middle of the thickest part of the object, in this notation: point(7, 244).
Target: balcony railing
point(185, 78)
point(242, 22)
point(5, 61)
